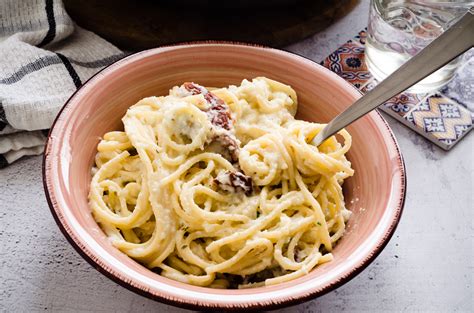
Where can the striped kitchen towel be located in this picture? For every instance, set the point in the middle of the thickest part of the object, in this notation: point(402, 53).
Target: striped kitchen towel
point(44, 58)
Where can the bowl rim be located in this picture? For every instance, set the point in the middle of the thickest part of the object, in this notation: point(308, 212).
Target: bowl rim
point(251, 304)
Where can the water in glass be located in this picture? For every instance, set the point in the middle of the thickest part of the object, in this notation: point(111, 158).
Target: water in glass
point(399, 29)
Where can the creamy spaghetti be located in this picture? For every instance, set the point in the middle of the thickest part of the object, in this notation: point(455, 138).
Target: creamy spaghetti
point(221, 188)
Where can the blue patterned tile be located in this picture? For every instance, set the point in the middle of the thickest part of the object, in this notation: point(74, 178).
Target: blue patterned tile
point(348, 61)
point(444, 117)
point(433, 124)
point(449, 110)
point(403, 103)
point(369, 85)
point(441, 118)
point(361, 37)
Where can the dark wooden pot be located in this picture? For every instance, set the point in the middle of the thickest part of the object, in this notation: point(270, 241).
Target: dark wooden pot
point(136, 25)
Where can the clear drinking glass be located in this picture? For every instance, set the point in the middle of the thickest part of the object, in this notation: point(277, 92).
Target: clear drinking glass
point(398, 29)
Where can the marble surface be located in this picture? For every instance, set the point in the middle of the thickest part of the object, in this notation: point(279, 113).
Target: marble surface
point(427, 265)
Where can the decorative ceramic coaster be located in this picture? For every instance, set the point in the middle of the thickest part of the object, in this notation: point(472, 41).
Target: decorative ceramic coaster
point(443, 116)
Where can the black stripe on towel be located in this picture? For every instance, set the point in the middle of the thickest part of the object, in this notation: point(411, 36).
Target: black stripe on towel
point(30, 68)
point(72, 72)
point(55, 59)
point(3, 161)
point(51, 22)
point(3, 116)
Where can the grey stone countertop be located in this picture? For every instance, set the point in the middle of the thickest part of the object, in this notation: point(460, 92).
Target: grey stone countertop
point(427, 265)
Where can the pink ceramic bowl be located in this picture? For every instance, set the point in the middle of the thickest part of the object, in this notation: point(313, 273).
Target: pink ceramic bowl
point(375, 194)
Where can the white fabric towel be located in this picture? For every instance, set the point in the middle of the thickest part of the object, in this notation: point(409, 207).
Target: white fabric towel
point(44, 58)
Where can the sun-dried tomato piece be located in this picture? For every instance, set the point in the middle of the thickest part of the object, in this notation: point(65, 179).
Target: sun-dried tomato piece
point(218, 112)
point(235, 181)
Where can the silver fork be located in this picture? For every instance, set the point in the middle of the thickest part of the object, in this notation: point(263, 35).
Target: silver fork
point(453, 42)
